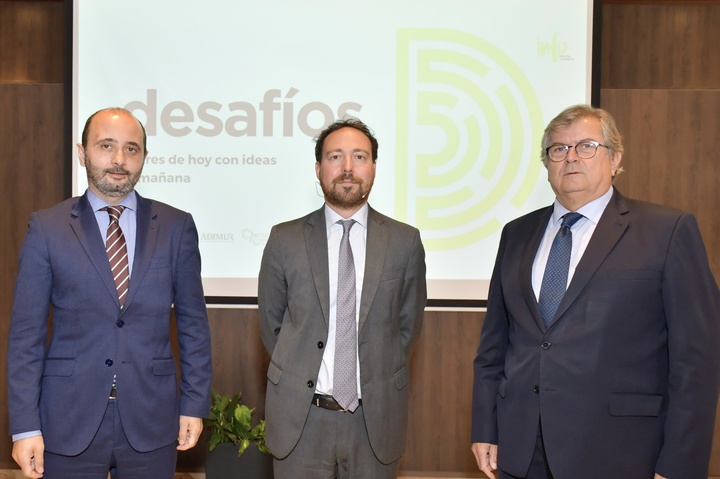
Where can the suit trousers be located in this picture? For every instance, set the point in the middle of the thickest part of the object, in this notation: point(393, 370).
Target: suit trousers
point(539, 468)
point(333, 445)
point(111, 451)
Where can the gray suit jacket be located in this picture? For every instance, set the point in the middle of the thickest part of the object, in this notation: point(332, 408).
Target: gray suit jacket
point(625, 379)
point(293, 300)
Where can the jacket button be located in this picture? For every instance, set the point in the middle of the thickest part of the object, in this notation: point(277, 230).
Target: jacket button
point(321, 345)
point(108, 362)
point(536, 389)
point(546, 345)
point(310, 384)
point(120, 323)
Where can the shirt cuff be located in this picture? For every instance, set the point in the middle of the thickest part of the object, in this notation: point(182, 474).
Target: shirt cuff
point(24, 435)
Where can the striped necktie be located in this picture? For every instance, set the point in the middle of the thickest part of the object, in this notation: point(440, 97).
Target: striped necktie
point(117, 252)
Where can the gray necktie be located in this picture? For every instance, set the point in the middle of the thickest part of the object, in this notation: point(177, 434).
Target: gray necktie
point(345, 372)
point(554, 281)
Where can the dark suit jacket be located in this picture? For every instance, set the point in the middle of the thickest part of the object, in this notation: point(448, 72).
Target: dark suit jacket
point(625, 380)
point(62, 389)
point(294, 302)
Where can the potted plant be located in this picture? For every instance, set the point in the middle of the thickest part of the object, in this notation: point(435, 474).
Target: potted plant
point(236, 448)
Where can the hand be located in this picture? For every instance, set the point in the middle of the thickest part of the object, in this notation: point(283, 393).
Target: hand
point(190, 429)
point(486, 457)
point(658, 476)
point(28, 453)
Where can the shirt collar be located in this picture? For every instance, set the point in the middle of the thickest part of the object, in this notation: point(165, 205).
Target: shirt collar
point(129, 202)
point(360, 216)
point(592, 211)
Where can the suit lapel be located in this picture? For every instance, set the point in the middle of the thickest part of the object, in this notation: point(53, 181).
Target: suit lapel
point(85, 226)
point(613, 223)
point(316, 247)
point(528, 258)
point(375, 251)
point(146, 233)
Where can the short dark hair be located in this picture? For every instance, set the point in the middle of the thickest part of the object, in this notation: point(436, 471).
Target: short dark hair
point(345, 123)
point(86, 129)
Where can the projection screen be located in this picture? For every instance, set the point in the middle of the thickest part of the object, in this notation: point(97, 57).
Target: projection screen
point(232, 93)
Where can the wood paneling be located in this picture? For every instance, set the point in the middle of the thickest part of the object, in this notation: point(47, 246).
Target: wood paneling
point(440, 384)
point(671, 153)
point(661, 2)
point(31, 42)
point(441, 377)
point(239, 366)
point(652, 47)
point(31, 172)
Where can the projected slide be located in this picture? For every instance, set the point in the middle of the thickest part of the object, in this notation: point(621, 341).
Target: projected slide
point(233, 92)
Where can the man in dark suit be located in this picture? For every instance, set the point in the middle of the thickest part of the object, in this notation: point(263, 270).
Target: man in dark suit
point(313, 428)
point(102, 394)
point(619, 377)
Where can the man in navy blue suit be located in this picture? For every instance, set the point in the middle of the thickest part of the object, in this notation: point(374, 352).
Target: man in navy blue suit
point(619, 377)
point(102, 392)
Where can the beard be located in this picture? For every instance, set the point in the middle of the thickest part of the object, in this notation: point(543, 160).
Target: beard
point(98, 178)
point(346, 197)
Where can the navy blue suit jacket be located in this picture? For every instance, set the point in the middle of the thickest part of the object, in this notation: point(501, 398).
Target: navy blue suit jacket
point(625, 379)
point(61, 387)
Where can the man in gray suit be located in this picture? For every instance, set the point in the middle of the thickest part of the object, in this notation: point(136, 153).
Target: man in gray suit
point(312, 429)
point(617, 377)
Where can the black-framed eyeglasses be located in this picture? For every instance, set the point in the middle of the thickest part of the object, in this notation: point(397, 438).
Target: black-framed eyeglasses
point(585, 149)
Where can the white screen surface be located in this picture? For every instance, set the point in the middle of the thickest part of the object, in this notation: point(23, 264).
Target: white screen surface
point(233, 92)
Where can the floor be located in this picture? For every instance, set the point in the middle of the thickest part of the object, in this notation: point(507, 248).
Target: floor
point(10, 474)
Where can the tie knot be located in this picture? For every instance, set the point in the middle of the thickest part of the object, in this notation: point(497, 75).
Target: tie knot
point(570, 219)
point(347, 224)
point(114, 212)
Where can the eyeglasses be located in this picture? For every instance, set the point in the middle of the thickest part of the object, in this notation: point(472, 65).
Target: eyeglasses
point(585, 150)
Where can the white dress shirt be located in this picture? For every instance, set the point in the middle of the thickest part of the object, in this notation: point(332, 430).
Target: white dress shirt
point(582, 231)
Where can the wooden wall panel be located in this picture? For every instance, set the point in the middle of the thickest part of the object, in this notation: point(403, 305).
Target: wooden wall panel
point(31, 42)
point(661, 2)
point(440, 384)
point(441, 377)
point(714, 470)
point(660, 46)
point(671, 153)
point(240, 364)
point(31, 172)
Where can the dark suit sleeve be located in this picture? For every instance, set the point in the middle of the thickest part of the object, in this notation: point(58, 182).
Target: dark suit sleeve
point(490, 359)
point(28, 330)
point(272, 291)
point(414, 296)
point(692, 313)
point(192, 325)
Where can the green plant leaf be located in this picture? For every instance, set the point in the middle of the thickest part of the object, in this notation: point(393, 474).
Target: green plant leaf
point(230, 421)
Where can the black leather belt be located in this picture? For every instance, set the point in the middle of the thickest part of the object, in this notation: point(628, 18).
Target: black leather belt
point(113, 392)
point(328, 402)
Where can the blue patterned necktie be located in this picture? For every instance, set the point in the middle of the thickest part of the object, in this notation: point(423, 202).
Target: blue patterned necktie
point(554, 281)
point(345, 369)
